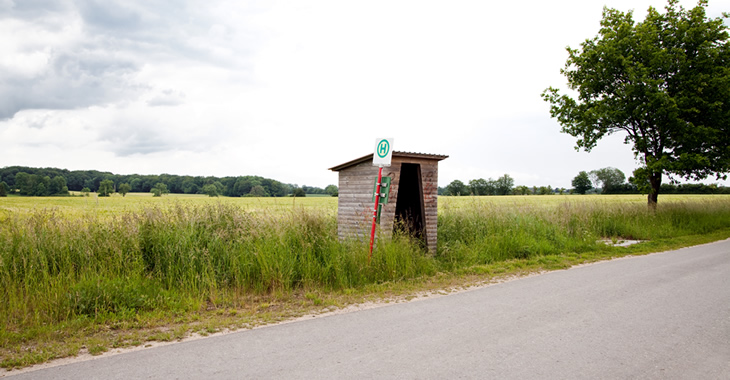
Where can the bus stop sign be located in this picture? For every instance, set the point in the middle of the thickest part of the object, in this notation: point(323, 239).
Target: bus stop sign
point(383, 152)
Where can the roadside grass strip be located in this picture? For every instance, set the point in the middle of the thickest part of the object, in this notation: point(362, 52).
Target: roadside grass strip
point(84, 279)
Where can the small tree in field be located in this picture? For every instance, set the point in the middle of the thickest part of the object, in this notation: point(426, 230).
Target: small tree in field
point(582, 183)
point(124, 189)
point(159, 189)
point(663, 83)
point(106, 187)
point(3, 189)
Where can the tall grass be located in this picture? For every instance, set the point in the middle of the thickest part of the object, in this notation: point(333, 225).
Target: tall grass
point(485, 232)
point(55, 268)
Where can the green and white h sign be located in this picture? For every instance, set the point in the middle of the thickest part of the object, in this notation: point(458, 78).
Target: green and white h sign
point(383, 152)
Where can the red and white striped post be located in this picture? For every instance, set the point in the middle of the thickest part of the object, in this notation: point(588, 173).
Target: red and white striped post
point(381, 157)
point(375, 210)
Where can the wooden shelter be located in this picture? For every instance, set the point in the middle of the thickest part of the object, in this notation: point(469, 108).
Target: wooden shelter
point(412, 203)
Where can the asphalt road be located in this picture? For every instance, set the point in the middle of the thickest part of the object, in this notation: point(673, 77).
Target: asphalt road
point(661, 316)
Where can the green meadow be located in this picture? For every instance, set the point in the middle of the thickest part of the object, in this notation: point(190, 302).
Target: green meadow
point(87, 274)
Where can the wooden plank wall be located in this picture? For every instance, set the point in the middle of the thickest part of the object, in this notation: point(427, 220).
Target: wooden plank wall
point(355, 205)
point(354, 201)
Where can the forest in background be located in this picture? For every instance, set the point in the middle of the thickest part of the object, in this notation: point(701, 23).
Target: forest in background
point(51, 181)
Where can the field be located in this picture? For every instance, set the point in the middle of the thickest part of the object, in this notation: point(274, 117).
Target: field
point(134, 201)
point(116, 204)
point(87, 274)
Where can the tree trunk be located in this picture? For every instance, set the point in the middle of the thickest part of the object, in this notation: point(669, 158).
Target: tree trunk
point(655, 180)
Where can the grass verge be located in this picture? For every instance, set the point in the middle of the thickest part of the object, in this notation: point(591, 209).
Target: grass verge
point(90, 284)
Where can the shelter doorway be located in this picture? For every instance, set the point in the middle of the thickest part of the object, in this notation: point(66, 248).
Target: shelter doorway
point(409, 215)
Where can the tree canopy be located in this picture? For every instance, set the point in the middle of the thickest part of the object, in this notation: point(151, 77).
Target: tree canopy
point(663, 82)
point(501, 186)
point(482, 186)
point(106, 188)
point(159, 189)
point(608, 178)
point(504, 185)
point(457, 188)
point(39, 185)
point(124, 189)
point(210, 190)
point(332, 190)
point(27, 181)
point(582, 183)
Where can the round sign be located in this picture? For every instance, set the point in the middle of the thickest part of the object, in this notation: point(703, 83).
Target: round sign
point(383, 148)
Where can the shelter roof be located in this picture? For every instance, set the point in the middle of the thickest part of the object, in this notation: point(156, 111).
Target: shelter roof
point(436, 157)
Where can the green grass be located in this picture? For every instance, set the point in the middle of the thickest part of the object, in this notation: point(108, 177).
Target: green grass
point(77, 275)
point(479, 231)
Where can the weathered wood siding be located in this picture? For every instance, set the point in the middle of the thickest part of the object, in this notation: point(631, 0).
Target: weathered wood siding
point(355, 204)
point(354, 201)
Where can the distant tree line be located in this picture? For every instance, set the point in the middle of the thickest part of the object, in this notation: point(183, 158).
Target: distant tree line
point(52, 181)
point(613, 181)
point(35, 185)
point(504, 185)
point(500, 186)
point(603, 181)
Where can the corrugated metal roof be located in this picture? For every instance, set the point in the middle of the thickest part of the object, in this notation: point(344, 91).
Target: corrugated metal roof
point(437, 157)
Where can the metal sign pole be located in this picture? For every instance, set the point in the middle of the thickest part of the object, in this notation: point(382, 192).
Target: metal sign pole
point(375, 211)
point(381, 157)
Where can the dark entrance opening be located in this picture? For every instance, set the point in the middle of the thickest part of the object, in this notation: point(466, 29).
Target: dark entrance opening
point(409, 208)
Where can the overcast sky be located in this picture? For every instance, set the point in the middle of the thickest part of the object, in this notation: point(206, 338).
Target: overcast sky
point(288, 89)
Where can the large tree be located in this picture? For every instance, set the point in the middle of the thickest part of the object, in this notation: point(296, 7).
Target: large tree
point(582, 183)
point(124, 188)
point(663, 82)
point(608, 178)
